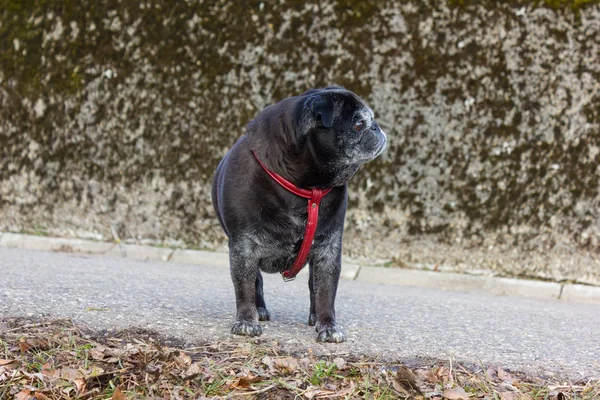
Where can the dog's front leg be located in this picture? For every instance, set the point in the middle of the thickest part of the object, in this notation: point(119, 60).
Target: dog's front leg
point(326, 265)
point(243, 273)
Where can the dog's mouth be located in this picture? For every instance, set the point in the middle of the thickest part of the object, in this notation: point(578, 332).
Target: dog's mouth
point(364, 157)
point(382, 144)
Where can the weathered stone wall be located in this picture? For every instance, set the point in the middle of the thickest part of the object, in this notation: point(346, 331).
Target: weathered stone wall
point(113, 117)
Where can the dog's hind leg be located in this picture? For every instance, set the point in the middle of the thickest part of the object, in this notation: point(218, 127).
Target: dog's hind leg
point(261, 307)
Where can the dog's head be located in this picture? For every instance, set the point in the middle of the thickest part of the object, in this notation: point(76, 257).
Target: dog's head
point(338, 128)
point(319, 138)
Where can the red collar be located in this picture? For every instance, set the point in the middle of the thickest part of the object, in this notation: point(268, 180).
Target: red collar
point(314, 197)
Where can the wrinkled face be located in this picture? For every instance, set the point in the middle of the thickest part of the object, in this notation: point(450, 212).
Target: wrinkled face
point(341, 129)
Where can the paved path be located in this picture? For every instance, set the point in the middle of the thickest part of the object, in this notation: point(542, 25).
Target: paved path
point(399, 323)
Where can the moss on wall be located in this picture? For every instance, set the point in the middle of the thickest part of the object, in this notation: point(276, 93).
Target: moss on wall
point(114, 115)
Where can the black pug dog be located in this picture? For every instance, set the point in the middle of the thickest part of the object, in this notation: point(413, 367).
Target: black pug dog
point(303, 148)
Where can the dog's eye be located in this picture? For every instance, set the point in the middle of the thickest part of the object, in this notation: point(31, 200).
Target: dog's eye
point(359, 126)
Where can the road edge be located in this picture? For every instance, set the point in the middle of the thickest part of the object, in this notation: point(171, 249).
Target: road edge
point(448, 281)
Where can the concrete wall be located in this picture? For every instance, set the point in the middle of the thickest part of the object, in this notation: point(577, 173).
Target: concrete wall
point(113, 117)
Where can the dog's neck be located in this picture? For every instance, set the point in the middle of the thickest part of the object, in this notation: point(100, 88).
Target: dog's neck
point(294, 161)
point(304, 171)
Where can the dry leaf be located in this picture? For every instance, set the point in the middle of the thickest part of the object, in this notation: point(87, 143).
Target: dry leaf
point(268, 362)
point(24, 346)
point(7, 362)
point(505, 376)
point(97, 355)
point(339, 362)
point(79, 385)
point(118, 395)
point(61, 383)
point(456, 393)
point(184, 359)
point(193, 370)
point(23, 395)
point(491, 373)
point(508, 396)
point(309, 394)
point(407, 379)
point(41, 396)
point(422, 374)
point(70, 374)
point(93, 371)
point(49, 372)
point(316, 392)
point(399, 388)
point(245, 381)
point(288, 364)
point(441, 372)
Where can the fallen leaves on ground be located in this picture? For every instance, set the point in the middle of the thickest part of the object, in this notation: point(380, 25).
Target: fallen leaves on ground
point(456, 393)
point(287, 365)
point(118, 394)
point(56, 360)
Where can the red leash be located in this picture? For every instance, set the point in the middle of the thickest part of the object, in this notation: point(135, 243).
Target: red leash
point(314, 197)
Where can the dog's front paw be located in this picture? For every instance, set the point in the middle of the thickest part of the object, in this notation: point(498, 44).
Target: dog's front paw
point(312, 319)
point(330, 334)
point(263, 314)
point(246, 328)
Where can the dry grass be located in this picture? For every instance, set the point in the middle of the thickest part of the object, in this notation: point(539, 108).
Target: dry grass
point(57, 360)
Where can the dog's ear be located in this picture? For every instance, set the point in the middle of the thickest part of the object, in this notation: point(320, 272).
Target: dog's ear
point(310, 110)
point(323, 111)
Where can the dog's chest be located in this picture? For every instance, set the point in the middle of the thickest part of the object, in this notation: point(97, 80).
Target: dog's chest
point(286, 237)
point(278, 247)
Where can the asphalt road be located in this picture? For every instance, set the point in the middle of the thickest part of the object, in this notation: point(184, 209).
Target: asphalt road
point(196, 303)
